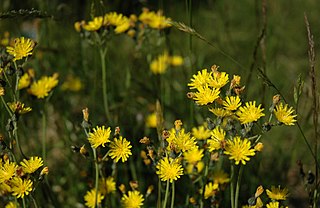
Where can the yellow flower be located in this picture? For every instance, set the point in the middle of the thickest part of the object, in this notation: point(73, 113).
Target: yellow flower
point(180, 141)
point(239, 150)
point(273, 205)
point(22, 47)
point(18, 107)
point(206, 95)
point(133, 200)
point(169, 169)
point(250, 112)
point(151, 120)
point(201, 133)
point(200, 80)
point(258, 147)
point(232, 103)
point(284, 114)
point(194, 155)
point(154, 20)
point(216, 141)
point(94, 25)
point(31, 165)
point(90, 198)
point(210, 190)
point(1, 91)
point(20, 187)
point(72, 83)
point(220, 177)
point(176, 60)
point(160, 64)
point(220, 112)
point(11, 205)
point(219, 79)
point(99, 136)
point(24, 81)
point(120, 148)
point(7, 171)
point(122, 23)
point(277, 193)
point(43, 86)
point(107, 185)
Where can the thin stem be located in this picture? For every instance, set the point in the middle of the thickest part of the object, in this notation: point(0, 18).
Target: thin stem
point(103, 53)
point(166, 195)
point(238, 186)
point(96, 186)
point(172, 195)
point(159, 194)
point(232, 186)
point(15, 132)
point(23, 203)
point(44, 131)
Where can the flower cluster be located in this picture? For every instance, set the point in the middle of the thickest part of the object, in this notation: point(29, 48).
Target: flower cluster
point(163, 61)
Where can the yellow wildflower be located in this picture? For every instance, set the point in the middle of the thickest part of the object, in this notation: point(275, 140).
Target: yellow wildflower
point(160, 64)
point(151, 120)
point(219, 79)
point(201, 133)
point(169, 169)
point(31, 165)
point(210, 190)
point(24, 81)
point(284, 114)
point(154, 20)
point(180, 141)
point(232, 103)
point(107, 185)
point(20, 187)
point(72, 83)
point(1, 91)
point(7, 171)
point(239, 150)
point(216, 141)
point(43, 86)
point(200, 80)
point(176, 60)
point(11, 205)
point(206, 95)
point(19, 108)
point(277, 193)
point(250, 112)
point(90, 198)
point(22, 47)
point(220, 177)
point(194, 155)
point(121, 23)
point(273, 205)
point(94, 24)
point(120, 149)
point(99, 136)
point(134, 199)
point(220, 112)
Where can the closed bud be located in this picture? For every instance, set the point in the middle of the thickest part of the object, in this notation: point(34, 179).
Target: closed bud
point(85, 113)
point(275, 99)
point(84, 151)
point(258, 147)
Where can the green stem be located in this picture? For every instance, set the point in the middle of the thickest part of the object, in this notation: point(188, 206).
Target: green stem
point(238, 186)
point(103, 53)
point(15, 132)
point(172, 195)
point(44, 132)
point(23, 203)
point(159, 194)
point(6, 106)
point(96, 186)
point(166, 195)
point(232, 186)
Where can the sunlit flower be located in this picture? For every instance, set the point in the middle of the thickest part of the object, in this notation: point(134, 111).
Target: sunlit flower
point(277, 193)
point(200, 80)
point(99, 136)
point(24, 81)
point(31, 165)
point(19, 108)
point(273, 205)
point(176, 60)
point(120, 149)
point(220, 112)
point(160, 64)
point(219, 79)
point(72, 83)
point(220, 177)
point(250, 112)
point(121, 23)
point(169, 169)
point(107, 185)
point(193, 156)
point(94, 24)
point(284, 114)
point(206, 95)
point(20, 187)
point(201, 133)
point(232, 103)
point(239, 150)
point(43, 86)
point(210, 190)
point(154, 20)
point(151, 120)
point(7, 171)
point(90, 198)
point(181, 141)
point(216, 141)
point(11, 205)
point(134, 199)
point(22, 47)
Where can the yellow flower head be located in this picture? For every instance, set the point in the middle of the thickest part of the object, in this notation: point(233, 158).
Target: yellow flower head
point(43, 86)
point(232, 103)
point(219, 79)
point(216, 141)
point(94, 24)
point(134, 199)
point(20, 187)
point(7, 171)
point(169, 169)
point(99, 136)
point(154, 20)
point(31, 165)
point(200, 80)
point(120, 149)
point(160, 64)
point(72, 83)
point(107, 185)
point(193, 156)
point(201, 133)
point(151, 120)
point(180, 141)
point(90, 198)
point(284, 114)
point(273, 205)
point(220, 112)
point(250, 112)
point(277, 193)
point(19, 108)
point(11, 205)
point(206, 95)
point(220, 177)
point(1, 91)
point(176, 60)
point(22, 47)
point(24, 81)
point(239, 150)
point(210, 190)
point(122, 23)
